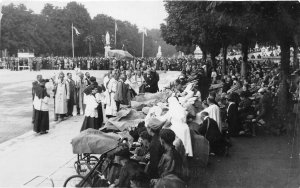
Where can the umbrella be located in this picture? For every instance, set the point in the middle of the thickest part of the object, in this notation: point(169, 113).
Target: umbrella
point(120, 54)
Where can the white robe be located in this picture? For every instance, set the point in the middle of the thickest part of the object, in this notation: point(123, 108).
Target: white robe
point(177, 116)
point(111, 106)
point(61, 96)
point(214, 113)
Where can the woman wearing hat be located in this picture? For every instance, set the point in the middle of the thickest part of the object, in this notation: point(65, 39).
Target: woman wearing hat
point(40, 103)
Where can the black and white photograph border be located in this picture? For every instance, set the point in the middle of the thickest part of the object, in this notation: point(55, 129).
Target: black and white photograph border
point(149, 93)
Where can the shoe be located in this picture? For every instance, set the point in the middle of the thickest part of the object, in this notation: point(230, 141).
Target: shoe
point(43, 132)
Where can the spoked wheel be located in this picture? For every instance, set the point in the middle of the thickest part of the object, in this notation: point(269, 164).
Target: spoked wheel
point(76, 181)
point(91, 162)
point(82, 168)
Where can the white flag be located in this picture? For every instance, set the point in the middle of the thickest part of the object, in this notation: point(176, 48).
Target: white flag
point(76, 31)
point(143, 30)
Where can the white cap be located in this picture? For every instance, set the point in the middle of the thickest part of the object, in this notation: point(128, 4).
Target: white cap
point(261, 90)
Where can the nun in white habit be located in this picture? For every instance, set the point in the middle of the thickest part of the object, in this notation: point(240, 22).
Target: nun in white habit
point(177, 117)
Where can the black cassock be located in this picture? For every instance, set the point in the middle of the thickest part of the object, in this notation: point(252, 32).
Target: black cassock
point(210, 130)
point(150, 83)
point(234, 126)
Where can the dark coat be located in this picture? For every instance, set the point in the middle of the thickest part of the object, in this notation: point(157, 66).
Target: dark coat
point(233, 120)
point(122, 94)
point(170, 163)
point(210, 130)
point(150, 83)
point(156, 151)
point(127, 172)
point(72, 88)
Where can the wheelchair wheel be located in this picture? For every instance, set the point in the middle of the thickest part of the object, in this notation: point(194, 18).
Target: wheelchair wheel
point(91, 163)
point(75, 181)
point(82, 168)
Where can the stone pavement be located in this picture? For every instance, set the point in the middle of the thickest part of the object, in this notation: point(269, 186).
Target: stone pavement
point(30, 155)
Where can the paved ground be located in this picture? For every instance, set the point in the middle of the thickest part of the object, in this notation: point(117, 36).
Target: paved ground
point(16, 99)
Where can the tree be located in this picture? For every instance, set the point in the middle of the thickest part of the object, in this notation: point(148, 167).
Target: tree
point(193, 23)
point(90, 40)
point(272, 22)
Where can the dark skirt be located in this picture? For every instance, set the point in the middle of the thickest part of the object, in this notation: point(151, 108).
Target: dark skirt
point(100, 115)
point(90, 122)
point(41, 121)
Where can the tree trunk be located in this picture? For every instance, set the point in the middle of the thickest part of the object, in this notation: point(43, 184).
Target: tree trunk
point(224, 65)
point(245, 47)
point(90, 48)
point(283, 101)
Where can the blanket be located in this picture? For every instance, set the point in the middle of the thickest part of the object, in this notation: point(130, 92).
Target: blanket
point(94, 141)
point(125, 120)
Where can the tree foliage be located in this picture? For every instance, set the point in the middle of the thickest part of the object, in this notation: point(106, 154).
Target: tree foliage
point(49, 33)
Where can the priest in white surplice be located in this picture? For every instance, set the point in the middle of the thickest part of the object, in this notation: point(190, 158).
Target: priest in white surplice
point(214, 112)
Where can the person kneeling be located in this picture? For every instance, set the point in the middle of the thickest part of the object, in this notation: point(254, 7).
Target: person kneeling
point(209, 129)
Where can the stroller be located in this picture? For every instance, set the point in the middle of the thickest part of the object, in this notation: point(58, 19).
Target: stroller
point(92, 170)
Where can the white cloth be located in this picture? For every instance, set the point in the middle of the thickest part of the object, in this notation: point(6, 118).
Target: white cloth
point(111, 106)
point(61, 96)
point(214, 113)
point(177, 116)
point(91, 106)
point(41, 104)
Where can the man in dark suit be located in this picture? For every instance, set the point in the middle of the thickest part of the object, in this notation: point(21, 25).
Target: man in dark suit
point(150, 82)
point(71, 101)
point(156, 76)
point(210, 130)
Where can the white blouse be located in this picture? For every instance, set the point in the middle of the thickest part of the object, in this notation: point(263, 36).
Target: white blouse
point(91, 106)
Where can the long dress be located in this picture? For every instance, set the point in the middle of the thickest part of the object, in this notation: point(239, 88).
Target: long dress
point(177, 116)
point(62, 93)
point(111, 106)
point(41, 118)
point(91, 113)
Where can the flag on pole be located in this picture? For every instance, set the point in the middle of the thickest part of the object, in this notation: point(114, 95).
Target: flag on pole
point(76, 31)
point(116, 26)
point(143, 30)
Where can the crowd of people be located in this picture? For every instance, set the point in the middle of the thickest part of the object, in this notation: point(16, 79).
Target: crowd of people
point(101, 63)
point(80, 95)
point(203, 103)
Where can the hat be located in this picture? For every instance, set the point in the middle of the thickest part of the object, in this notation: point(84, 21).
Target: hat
point(155, 124)
point(261, 90)
point(92, 79)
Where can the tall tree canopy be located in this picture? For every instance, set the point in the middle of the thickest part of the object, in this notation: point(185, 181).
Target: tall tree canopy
point(49, 33)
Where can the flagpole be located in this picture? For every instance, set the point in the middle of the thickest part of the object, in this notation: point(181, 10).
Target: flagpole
point(72, 41)
point(115, 35)
point(143, 44)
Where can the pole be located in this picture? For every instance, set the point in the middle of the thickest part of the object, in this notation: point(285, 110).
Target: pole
point(143, 44)
point(0, 32)
point(72, 41)
point(115, 35)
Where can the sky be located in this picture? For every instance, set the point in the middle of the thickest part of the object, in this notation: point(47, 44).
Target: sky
point(143, 13)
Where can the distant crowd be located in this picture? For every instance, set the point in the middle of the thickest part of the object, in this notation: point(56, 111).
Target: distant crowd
point(101, 63)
